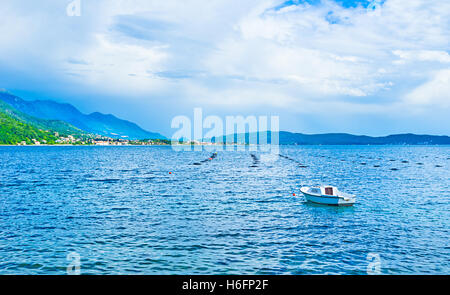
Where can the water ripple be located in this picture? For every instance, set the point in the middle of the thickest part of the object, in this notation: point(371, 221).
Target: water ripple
point(228, 213)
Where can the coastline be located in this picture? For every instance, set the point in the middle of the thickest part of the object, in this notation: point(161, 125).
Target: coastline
point(160, 145)
point(86, 145)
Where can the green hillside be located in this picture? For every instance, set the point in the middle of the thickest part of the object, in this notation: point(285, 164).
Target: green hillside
point(61, 127)
point(17, 127)
point(12, 131)
point(95, 123)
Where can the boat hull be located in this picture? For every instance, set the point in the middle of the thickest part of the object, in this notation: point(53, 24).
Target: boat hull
point(328, 200)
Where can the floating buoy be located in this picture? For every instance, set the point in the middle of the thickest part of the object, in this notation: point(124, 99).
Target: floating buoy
point(293, 194)
point(170, 172)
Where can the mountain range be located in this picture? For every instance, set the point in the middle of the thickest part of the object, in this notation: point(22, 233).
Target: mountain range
point(337, 139)
point(95, 123)
point(23, 120)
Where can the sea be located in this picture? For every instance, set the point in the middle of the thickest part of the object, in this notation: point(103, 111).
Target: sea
point(156, 210)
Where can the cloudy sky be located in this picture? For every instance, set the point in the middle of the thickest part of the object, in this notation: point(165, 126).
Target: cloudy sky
point(363, 67)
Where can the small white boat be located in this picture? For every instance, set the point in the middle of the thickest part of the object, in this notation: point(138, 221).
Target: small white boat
point(327, 195)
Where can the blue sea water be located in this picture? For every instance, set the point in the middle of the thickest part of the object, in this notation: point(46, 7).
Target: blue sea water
point(123, 213)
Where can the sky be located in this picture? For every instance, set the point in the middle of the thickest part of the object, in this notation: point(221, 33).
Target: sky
point(361, 67)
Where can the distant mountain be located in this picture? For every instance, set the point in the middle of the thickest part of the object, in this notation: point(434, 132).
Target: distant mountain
point(97, 123)
point(349, 139)
point(343, 139)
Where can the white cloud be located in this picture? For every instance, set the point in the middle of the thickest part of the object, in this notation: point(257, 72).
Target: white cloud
point(216, 52)
point(422, 55)
point(121, 66)
point(435, 92)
